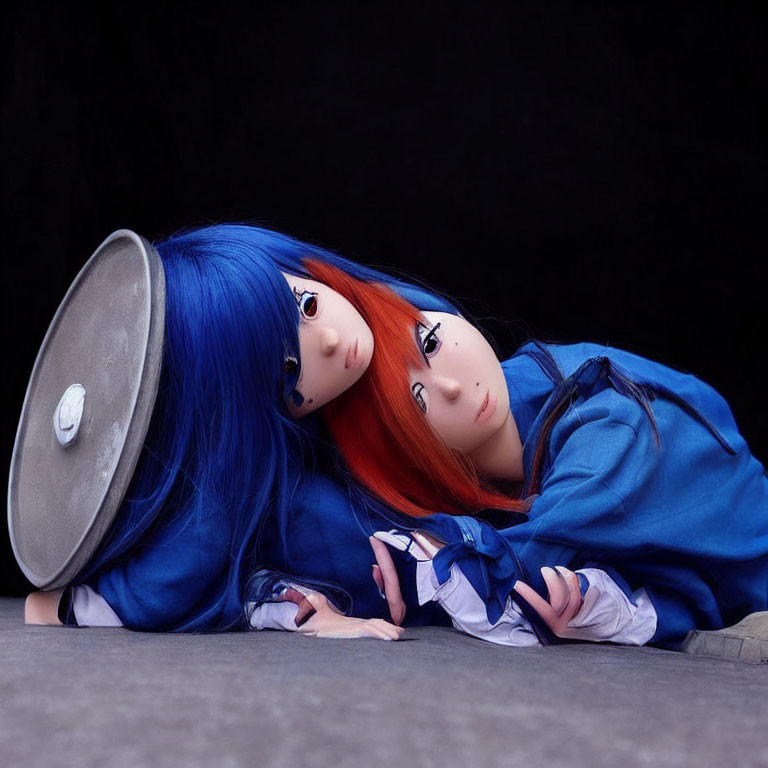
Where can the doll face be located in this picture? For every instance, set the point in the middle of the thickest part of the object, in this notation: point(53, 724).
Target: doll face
point(461, 387)
point(335, 344)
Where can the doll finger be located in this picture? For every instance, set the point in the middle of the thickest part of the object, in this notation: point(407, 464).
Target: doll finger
point(305, 613)
point(574, 593)
point(380, 552)
point(390, 579)
point(371, 628)
point(384, 630)
point(558, 589)
point(378, 580)
point(380, 635)
point(537, 602)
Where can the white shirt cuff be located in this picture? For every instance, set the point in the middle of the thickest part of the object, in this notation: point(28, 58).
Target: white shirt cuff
point(91, 609)
point(274, 615)
point(607, 614)
point(468, 612)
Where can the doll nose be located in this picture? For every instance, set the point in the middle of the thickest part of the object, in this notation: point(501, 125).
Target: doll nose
point(449, 388)
point(329, 340)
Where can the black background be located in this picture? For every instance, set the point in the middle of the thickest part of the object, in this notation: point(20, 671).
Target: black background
point(575, 171)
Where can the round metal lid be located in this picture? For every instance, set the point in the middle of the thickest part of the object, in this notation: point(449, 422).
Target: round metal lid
point(87, 410)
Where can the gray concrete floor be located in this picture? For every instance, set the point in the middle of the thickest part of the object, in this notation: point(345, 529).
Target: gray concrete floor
point(110, 697)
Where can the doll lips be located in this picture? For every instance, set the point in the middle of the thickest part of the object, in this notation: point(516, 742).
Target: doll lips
point(487, 408)
point(351, 355)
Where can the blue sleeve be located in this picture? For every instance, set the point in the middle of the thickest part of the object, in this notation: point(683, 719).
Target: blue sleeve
point(159, 586)
point(680, 516)
point(603, 465)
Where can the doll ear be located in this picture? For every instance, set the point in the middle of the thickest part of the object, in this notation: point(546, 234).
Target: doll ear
point(87, 410)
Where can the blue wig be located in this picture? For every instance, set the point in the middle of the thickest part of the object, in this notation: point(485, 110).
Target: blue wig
point(221, 444)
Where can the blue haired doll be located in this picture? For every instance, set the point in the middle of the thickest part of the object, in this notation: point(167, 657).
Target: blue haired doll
point(234, 452)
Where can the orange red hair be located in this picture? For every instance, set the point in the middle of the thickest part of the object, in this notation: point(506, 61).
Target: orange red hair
point(380, 429)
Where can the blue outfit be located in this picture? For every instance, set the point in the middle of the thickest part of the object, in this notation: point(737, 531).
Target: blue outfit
point(674, 503)
point(171, 576)
point(644, 475)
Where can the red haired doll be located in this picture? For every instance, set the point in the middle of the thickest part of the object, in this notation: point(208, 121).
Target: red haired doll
point(646, 516)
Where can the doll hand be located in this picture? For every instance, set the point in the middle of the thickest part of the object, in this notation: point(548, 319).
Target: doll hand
point(387, 580)
point(565, 599)
point(42, 608)
point(327, 621)
point(421, 548)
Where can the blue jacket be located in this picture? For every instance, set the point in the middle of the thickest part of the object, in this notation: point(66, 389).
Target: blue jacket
point(177, 571)
point(677, 505)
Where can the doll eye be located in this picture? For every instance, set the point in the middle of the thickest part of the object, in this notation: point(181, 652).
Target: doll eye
point(429, 341)
point(307, 301)
point(417, 390)
point(291, 371)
